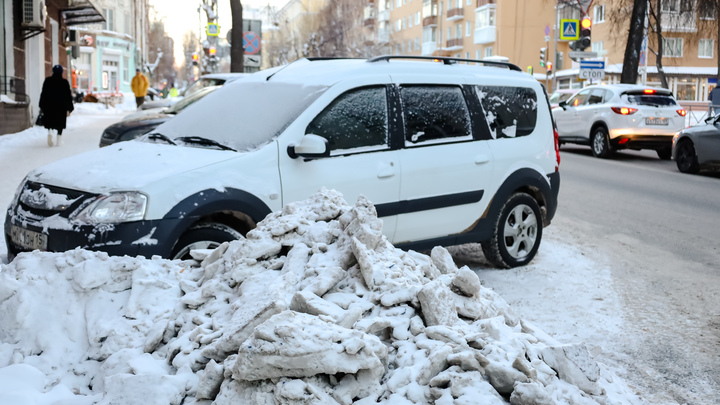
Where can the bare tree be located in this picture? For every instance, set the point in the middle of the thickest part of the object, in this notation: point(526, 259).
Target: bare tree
point(635, 36)
point(711, 8)
point(655, 15)
point(160, 44)
point(237, 52)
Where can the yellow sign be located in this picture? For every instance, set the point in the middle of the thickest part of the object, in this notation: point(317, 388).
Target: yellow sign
point(530, 70)
point(569, 29)
point(213, 30)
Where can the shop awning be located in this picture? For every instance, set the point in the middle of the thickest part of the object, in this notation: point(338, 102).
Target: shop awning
point(81, 12)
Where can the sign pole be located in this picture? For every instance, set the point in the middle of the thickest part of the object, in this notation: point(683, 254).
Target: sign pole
point(555, 48)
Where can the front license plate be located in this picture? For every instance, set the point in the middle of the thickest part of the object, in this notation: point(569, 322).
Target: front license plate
point(28, 239)
point(656, 121)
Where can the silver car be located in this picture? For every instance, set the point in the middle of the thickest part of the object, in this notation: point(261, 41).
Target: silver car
point(620, 116)
point(698, 147)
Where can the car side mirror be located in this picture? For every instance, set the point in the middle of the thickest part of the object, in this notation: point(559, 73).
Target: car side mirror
point(562, 104)
point(310, 146)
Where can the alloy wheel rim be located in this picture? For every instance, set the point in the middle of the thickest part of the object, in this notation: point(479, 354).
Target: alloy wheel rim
point(205, 244)
point(520, 233)
point(684, 157)
point(598, 142)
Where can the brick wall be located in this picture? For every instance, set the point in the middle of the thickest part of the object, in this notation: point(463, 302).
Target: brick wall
point(13, 118)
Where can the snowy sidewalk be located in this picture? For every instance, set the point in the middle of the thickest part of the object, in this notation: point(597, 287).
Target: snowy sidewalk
point(27, 150)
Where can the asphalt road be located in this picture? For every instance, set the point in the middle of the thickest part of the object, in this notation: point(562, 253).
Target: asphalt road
point(658, 230)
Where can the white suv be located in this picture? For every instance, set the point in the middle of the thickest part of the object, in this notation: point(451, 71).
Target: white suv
point(620, 116)
point(449, 153)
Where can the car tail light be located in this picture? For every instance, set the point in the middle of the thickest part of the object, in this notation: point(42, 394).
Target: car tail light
point(681, 112)
point(623, 141)
point(624, 110)
point(557, 148)
point(649, 91)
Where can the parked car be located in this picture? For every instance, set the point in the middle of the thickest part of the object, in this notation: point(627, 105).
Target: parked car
point(449, 153)
point(141, 122)
point(620, 116)
point(561, 95)
point(213, 79)
point(698, 147)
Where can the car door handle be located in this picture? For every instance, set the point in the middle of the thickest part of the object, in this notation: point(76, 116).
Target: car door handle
point(386, 171)
point(481, 159)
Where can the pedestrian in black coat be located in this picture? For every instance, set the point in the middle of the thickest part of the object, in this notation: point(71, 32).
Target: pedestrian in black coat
point(56, 103)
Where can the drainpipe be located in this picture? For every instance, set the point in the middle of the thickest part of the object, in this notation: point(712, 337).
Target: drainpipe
point(4, 39)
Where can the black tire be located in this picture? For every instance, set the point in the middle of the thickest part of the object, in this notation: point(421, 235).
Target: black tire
point(208, 235)
point(686, 158)
point(521, 216)
point(664, 153)
point(599, 143)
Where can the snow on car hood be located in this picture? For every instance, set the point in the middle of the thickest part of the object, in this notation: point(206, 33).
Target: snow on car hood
point(126, 166)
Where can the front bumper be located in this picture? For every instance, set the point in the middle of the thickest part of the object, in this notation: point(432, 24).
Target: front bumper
point(141, 238)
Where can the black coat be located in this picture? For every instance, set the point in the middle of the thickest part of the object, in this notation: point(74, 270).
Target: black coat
point(55, 102)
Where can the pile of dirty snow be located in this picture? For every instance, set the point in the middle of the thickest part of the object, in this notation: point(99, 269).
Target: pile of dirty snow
point(314, 307)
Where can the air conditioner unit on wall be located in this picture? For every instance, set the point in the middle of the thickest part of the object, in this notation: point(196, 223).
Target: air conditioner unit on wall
point(34, 14)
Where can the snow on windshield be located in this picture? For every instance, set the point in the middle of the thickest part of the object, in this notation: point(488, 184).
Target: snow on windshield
point(243, 115)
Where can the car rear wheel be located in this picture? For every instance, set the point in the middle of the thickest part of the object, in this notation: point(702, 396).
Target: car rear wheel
point(686, 158)
point(207, 235)
point(664, 153)
point(516, 234)
point(600, 144)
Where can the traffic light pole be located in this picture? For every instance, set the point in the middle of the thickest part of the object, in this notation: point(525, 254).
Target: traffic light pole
point(555, 47)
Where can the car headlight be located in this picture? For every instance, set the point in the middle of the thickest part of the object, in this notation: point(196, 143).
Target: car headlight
point(113, 208)
point(19, 190)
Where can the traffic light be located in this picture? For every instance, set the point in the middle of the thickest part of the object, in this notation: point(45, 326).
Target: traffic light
point(195, 59)
point(585, 32)
point(213, 51)
point(549, 68)
point(543, 56)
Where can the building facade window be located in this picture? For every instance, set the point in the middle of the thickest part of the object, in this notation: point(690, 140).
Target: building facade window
point(109, 24)
point(126, 69)
point(705, 48)
point(417, 18)
point(599, 14)
point(468, 28)
point(458, 31)
point(417, 43)
point(686, 89)
point(707, 12)
point(488, 51)
point(597, 46)
point(673, 47)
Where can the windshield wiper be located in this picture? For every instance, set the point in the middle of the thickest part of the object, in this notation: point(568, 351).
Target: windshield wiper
point(157, 135)
point(198, 140)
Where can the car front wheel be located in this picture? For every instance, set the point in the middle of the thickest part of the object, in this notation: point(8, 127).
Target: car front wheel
point(516, 234)
point(686, 158)
point(207, 235)
point(600, 144)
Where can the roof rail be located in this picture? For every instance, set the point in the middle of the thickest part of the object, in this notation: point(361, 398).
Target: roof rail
point(446, 60)
point(315, 58)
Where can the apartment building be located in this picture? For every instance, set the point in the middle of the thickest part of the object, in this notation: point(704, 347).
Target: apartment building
point(517, 29)
point(33, 39)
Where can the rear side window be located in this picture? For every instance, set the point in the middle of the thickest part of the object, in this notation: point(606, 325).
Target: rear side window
point(651, 100)
point(510, 111)
point(434, 113)
point(356, 119)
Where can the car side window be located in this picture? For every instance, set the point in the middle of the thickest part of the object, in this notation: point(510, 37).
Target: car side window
point(356, 119)
point(596, 97)
point(434, 113)
point(510, 111)
point(608, 96)
point(580, 98)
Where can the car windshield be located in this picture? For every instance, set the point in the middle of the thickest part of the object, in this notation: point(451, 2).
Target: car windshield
point(187, 101)
point(556, 98)
point(201, 84)
point(242, 115)
point(655, 100)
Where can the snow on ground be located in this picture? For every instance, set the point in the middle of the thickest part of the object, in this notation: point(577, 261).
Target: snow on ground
point(314, 307)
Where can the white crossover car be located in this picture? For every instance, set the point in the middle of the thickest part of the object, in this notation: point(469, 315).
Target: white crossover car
point(620, 116)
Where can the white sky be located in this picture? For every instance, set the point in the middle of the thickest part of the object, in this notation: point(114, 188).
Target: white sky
point(181, 16)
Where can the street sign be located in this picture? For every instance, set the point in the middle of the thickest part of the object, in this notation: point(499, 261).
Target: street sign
point(591, 74)
point(569, 29)
point(213, 30)
point(252, 60)
point(592, 64)
point(547, 38)
point(251, 43)
point(582, 54)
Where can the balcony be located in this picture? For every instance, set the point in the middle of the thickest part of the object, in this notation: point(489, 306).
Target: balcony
point(485, 35)
point(430, 21)
point(383, 36)
point(384, 15)
point(480, 3)
point(455, 14)
point(429, 48)
point(454, 44)
point(369, 23)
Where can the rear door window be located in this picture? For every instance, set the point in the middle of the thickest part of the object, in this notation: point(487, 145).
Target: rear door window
point(434, 114)
point(596, 97)
point(354, 122)
point(510, 111)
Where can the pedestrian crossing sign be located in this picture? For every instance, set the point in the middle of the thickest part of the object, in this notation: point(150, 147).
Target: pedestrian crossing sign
point(213, 30)
point(569, 29)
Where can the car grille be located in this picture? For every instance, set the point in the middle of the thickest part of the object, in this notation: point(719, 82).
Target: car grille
point(39, 200)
